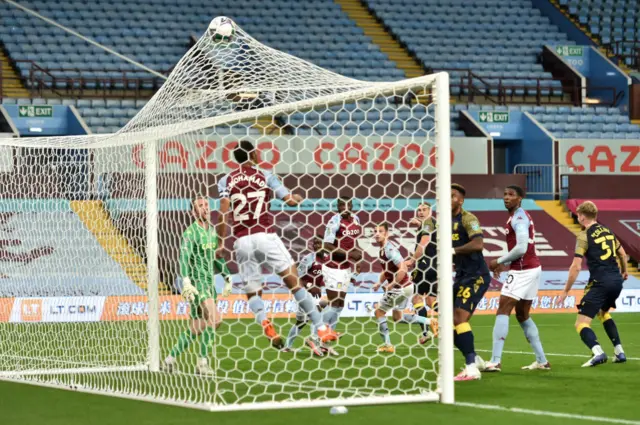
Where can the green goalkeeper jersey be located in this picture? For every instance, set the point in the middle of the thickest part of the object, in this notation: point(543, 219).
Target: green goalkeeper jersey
point(198, 259)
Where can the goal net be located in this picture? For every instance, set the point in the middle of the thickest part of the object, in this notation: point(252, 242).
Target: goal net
point(93, 232)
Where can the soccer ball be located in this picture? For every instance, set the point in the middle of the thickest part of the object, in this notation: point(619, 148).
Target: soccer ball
point(222, 29)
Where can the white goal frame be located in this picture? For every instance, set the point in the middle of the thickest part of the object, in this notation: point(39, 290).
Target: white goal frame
point(446, 392)
point(440, 95)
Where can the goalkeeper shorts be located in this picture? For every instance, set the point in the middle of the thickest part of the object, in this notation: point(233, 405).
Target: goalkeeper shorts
point(195, 308)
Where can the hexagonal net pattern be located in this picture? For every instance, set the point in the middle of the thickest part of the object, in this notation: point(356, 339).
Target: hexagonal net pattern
point(248, 240)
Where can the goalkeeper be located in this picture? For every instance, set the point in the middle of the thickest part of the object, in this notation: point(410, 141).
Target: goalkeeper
point(200, 260)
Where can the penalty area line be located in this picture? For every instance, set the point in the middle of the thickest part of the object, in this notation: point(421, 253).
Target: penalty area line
point(548, 413)
point(582, 356)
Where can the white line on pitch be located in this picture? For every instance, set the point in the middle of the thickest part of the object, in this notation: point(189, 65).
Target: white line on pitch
point(552, 414)
point(552, 354)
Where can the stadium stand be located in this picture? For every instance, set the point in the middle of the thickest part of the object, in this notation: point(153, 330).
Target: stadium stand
point(139, 30)
point(493, 39)
point(108, 116)
point(614, 22)
point(573, 122)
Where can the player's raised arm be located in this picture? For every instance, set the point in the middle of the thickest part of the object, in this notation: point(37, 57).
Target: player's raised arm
point(476, 241)
point(225, 204)
point(281, 192)
point(520, 223)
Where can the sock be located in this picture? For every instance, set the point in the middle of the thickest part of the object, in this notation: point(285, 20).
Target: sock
point(414, 318)
point(328, 315)
point(533, 336)
point(205, 341)
point(463, 340)
point(435, 306)
point(257, 306)
point(384, 330)
point(336, 317)
point(307, 305)
point(500, 332)
point(294, 332)
point(590, 340)
point(612, 332)
point(421, 310)
point(184, 340)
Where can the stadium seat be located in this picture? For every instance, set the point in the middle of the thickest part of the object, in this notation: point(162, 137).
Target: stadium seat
point(315, 38)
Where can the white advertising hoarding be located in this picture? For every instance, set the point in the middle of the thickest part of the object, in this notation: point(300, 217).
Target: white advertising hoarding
point(595, 156)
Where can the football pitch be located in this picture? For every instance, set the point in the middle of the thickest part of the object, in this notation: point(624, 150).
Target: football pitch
point(567, 394)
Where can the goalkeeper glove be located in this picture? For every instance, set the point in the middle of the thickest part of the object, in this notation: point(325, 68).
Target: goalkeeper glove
point(189, 292)
point(228, 286)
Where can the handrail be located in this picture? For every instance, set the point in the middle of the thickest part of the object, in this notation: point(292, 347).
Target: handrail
point(42, 79)
point(617, 50)
point(505, 92)
point(470, 84)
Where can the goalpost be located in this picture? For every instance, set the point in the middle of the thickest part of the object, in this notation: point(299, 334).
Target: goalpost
point(91, 229)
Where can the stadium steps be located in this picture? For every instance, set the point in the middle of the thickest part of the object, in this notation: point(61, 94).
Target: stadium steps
point(97, 221)
point(359, 13)
point(559, 211)
point(11, 84)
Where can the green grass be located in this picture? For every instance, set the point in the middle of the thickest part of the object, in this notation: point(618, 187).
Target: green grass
point(606, 391)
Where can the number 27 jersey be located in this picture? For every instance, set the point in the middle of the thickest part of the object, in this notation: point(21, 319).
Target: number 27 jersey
point(250, 190)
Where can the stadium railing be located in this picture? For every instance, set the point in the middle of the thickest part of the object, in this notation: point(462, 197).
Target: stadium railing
point(500, 90)
point(120, 84)
point(546, 180)
point(626, 52)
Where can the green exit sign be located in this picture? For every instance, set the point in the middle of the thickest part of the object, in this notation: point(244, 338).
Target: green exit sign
point(494, 117)
point(35, 111)
point(569, 50)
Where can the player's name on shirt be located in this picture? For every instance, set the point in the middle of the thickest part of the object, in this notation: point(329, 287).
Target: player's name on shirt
point(253, 178)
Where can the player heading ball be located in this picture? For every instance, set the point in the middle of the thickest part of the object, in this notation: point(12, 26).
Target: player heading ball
point(245, 194)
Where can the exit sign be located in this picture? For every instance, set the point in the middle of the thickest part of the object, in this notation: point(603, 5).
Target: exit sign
point(35, 111)
point(494, 117)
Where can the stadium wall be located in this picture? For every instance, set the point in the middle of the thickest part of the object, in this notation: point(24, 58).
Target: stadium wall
point(319, 186)
point(588, 186)
point(599, 156)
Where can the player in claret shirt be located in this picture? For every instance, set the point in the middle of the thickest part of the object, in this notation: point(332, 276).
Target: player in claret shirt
point(245, 194)
point(340, 241)
point(310, 272)
point(521, 286)
point(398, 290)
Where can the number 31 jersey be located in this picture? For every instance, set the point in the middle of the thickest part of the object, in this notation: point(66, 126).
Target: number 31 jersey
point(250, 190)
point(600, 247)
